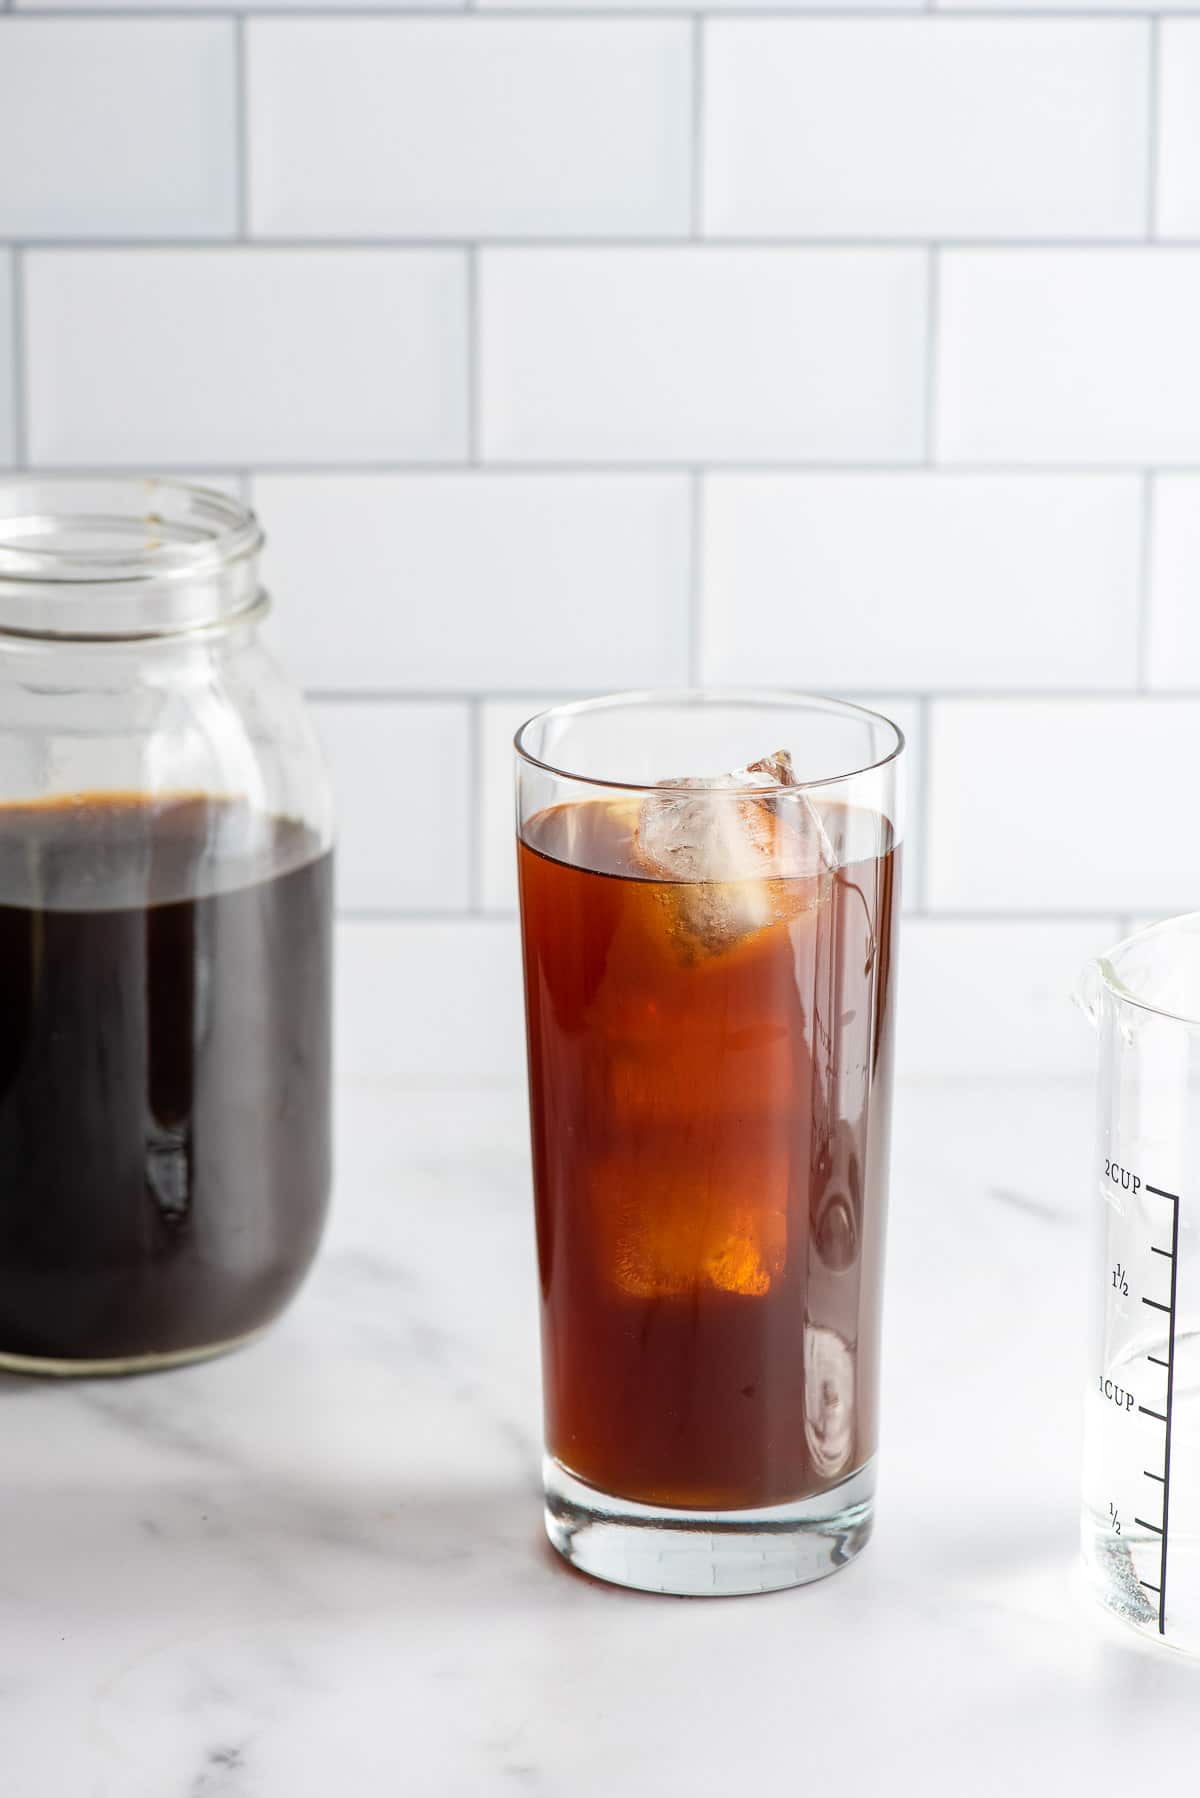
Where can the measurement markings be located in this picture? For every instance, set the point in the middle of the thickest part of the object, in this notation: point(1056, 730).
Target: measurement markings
point(1161, 1415)
point(1148, 1526)
point(1152, 1476)
point(1157, 1362)
point(1166, 1504)
point(1173, 1257)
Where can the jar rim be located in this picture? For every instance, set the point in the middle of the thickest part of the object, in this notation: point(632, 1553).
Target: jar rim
point(115, 558)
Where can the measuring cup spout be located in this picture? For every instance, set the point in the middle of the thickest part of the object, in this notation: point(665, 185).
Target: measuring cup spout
point(1087, 993)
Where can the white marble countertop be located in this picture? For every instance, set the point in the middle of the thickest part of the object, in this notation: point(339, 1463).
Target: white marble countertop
point(317, 1566)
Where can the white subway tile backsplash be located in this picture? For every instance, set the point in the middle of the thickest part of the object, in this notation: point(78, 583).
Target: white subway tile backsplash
point(926, 127)
point(430, 1000)
point(913, 580)
point(401, 791)
point(501, 718)
point(693, 354)
point(8, 372)
point(117, 127)
point(888, 433)
point(170, 357)
point(1179, 129)
point(993, 999)
point(1069, 355)
point(1173, 648)
point(1062, 805)
point(470, 581)
point(460, 127)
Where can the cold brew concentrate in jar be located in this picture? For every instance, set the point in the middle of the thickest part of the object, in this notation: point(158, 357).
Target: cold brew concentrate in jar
point(165, 922)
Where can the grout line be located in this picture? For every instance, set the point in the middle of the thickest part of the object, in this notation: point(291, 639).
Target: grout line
point(932, 329)
point(241, 127)
point(814, 468)
point(440, 696)
point(695, 576)
point(20, 363)
point(1145, 587)
point(474, 809)
point(397, 696)
point(601, 243)
point(501, 914)
point(923, 809)
point(879, 696)
point(1041, 915)
point(498, 14)
point(698, 128)
point(383, 914)
point(1121, 924)
point(1154, 62)
point(474, 358)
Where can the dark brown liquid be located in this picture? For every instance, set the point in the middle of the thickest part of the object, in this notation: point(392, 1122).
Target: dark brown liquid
point(164, 1072)
point(710, 1110)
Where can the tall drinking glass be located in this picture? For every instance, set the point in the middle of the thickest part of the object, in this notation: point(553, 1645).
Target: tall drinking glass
point(709, 894)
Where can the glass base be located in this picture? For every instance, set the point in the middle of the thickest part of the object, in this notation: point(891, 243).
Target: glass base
point(697, 1554)
point(54, 1368)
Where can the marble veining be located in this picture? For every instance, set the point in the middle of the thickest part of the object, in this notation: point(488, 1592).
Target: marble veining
point(226, 1772)
point(1033, 1203)
point(317, 1566)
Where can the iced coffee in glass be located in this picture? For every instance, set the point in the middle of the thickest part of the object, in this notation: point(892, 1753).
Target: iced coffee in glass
point(709, 897)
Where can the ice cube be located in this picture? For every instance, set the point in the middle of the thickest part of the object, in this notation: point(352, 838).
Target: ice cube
point(672, 1235)
point(828, 1399)
point(739, 1254)
point(730, 857)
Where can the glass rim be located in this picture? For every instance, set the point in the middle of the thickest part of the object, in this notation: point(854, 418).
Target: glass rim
point(1107, 969)
point(768, 698)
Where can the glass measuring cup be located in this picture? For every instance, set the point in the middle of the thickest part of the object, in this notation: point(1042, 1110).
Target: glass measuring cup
point(1141, 1485)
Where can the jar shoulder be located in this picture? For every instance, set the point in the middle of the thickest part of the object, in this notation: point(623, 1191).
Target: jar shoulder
point(216, 717)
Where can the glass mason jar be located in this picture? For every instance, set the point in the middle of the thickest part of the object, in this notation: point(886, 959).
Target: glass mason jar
point(165, 934)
